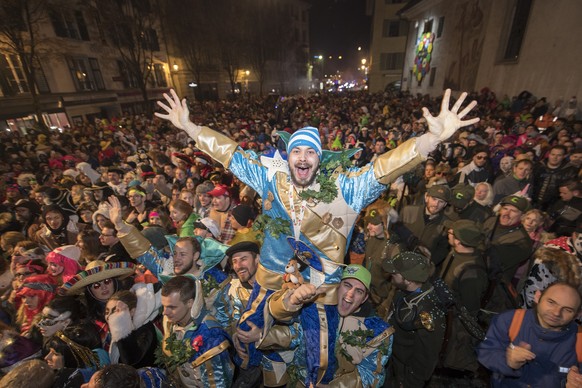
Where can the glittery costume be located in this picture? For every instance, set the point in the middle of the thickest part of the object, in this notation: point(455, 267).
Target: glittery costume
point(210, 365)
point(161, 263)
point(326, 227)
point(357, 359)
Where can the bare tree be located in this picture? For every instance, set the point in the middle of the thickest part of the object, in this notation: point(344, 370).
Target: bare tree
point(19, 36)
point(132, 31)
point(191, 32)
point(269, 45)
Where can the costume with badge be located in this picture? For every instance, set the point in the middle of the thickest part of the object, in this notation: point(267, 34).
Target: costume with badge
point(419, 320)
point(209, 365)
point(215, 283)
point(323, 218)
point(360, 344)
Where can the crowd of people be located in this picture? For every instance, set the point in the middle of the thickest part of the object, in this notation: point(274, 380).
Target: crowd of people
point(330, 240)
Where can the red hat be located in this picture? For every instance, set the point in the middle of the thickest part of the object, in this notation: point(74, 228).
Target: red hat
point(218, 191)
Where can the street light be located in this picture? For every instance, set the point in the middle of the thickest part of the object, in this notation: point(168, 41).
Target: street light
point(364, 61)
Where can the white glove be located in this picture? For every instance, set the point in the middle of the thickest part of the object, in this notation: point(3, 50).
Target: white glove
point(445, 124)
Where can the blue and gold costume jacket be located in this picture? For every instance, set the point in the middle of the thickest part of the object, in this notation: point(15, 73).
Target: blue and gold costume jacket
point(326, 228)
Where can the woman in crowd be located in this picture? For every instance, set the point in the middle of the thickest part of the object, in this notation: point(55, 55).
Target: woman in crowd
point(61, 312)
point(58, 229)
point(91, 248)
point(98, 282)
point(183, 216)
point(36, 292)
point(75, 354)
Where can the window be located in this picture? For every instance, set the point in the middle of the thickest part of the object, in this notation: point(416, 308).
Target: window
point(441, 26)
point(150, 40)
point(12, 78)
point(86, 73)
point(160, 75)
point(392, 28)
point(432, 76)
point(69, 25)
point(391, 61)
point(428, 26)
point(517, 31)
point(128, 79)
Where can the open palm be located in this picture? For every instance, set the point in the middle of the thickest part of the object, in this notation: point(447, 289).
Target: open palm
point(448, 121)
point(177, 111)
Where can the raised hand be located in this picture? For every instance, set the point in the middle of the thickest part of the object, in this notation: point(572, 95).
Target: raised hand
point(448, 121)
point(177, 111)
point(115, 212)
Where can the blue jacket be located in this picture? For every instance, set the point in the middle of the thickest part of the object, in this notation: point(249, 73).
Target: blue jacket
point(555, 353)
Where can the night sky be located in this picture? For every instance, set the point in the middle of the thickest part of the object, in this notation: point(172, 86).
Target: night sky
point(338, 27)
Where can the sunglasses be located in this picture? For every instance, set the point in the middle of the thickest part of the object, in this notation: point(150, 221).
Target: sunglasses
point(480, 157)
point(100, 284)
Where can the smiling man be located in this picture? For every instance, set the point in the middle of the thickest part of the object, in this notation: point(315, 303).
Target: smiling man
point(313, 197)
point(193, 336)
point(543, 350)
point(364, 342)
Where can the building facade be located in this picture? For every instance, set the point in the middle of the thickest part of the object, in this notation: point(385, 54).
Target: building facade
point(506, 45)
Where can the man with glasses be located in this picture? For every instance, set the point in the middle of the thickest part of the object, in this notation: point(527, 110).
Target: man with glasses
point(108, 238)
point(478, 170)
point(140, 206)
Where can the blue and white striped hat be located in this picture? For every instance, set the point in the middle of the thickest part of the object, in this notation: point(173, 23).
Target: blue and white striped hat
point(308, 136)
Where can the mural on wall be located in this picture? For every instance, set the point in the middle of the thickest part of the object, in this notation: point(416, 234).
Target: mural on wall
point(422, 59)
point(467, 42)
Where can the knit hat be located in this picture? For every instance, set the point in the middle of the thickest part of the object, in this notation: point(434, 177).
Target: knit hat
point(412, 266)
point(308, 136)
point(243, 214)
point(462, 194)
point(356, 271)
point(441, 192)
point(466, 231)
point(521, 203)
point(208, 224)
point(204, 187)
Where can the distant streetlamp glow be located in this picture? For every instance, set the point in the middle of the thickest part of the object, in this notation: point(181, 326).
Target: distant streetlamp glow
point(359, 48)
point(340, 57)
point(175, 67)
point(320, 57)
point(364, 61)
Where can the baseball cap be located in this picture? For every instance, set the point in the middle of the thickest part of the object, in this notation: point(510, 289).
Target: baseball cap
point(208, 224)
point(521, 203)
point(356, 271)
point(218, 191)
point(441, 192)
point(461, 195)
point(466, 231)
point(373, 217)
point(412, 266)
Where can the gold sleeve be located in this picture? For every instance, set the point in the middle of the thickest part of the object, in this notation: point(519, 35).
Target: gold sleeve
point(220, 147)
point(278, 337)
point(135, 243)
point(396, 162)
point(278, 309)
